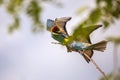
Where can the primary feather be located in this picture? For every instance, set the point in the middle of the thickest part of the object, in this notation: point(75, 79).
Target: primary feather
point(61, 24)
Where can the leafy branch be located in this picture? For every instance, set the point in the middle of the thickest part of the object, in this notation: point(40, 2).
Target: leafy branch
point(32, 8)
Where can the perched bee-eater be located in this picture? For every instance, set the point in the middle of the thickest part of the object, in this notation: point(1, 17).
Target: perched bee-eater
point(58, 30)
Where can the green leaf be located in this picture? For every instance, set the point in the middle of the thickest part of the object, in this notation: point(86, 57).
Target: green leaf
point(1, 2)
point(115, 40)
point(95, 16)
point(34, 11)
point(14, 5)
point(15, 25)
point(106, 23)
point(116, 10)
point(81, 10)
point(112, 75)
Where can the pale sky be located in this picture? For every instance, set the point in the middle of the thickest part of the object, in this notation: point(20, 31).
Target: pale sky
point(28, 56)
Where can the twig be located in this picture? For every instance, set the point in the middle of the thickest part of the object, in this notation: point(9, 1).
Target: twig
point(105, 77)
point(55, 43)
point(82, 52)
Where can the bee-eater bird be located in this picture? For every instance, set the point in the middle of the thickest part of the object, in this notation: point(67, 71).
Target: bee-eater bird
point(58, 30)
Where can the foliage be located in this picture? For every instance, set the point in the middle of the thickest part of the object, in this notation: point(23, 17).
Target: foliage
point(105, 12)
point(115, 40)
point(1, 1)
point(110, 10)
point(15, 25)
point(32, 8)
point(110, 76)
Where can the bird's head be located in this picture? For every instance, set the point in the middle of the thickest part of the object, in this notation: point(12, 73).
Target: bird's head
point(52, 27)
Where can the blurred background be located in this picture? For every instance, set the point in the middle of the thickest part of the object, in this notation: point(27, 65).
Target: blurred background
point(26, 52)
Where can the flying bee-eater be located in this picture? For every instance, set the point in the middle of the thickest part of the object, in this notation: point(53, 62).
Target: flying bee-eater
point(81, 43)
point(56, 33)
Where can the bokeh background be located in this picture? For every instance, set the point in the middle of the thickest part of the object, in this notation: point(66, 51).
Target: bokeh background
point(26, 52)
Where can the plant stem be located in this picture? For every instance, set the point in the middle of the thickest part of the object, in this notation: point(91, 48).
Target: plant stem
point(55, 43)
point(105, 77)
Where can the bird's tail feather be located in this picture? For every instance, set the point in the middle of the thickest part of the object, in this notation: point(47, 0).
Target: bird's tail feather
point(100, 46)
point(89, 53)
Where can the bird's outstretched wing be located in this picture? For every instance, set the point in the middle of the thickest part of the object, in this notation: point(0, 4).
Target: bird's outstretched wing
point(83, 35)
point(61, 24)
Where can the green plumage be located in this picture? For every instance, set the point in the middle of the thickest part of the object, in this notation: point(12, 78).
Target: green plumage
point(59, 38)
